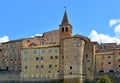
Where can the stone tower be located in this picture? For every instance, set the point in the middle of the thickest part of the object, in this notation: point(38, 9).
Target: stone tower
point(65, 29)
point(73, 60)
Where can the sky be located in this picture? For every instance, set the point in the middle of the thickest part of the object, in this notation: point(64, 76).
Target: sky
point(98, 20)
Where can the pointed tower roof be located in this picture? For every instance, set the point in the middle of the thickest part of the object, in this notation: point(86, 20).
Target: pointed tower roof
point(65, 19)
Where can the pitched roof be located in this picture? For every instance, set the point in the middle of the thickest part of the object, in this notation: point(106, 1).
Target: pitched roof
point(65, 19)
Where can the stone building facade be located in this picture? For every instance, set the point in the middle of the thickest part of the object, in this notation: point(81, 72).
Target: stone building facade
point(40, 62)
point(73, 61)
point(11, 55)
point(58, 54)
point(108, 59)
point(11, 50)
point(1, 65)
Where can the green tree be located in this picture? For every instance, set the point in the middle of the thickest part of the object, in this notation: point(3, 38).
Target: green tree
point(104, 79)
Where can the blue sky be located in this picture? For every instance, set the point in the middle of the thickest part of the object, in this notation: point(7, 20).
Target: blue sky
point(97, 19)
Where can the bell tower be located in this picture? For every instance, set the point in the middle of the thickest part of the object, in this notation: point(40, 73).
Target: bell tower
point(65, 29)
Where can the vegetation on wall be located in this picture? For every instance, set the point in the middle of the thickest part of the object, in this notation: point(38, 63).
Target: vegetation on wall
point(102, 79)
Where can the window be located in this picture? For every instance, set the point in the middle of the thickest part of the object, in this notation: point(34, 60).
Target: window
point(66, 29)
point(42, 66)
point(102, 63)
point(109, 62)
point(70, 73)
point(25, 67)
point(49, 51)
point(25, 52)
point(88, 60)
point(37, 58)
point(88, 68)
point(62, 29)
point(111, 71)
point(11, 45)
point(118, 60)
point(70, 67)
point(101, 71)
point(25, 59)
point(56, 50)
point(62, 56)
point(86, 55)
point(41, 58)
point(118, 65)
point(37, 66)
point(35, 51)
point(56, 57)
point(28, 41)
point(49, 71)
point(50, 66)
point(109, 57)
point(6, 46)
point(51, 57)
point(103, 57)
point(19, 44)
point(43, 51)
point(55, 65)
point(104, 46)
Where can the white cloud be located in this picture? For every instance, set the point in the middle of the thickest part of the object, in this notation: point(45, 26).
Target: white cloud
point(117, 29)
point(113, 22)
point(103, 38)
point(37, 35)
point(4, 39)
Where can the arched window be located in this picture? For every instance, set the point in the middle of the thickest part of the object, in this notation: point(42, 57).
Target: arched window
point(62, 29)
point(66, 29)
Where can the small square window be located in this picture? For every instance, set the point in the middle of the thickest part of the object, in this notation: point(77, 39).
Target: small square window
point(49, 51)
point(55, 65)
point(49, 71)
point(86, 55)
point(88, 68)
point(101, 71)
point(111, 71)
point(62, 56)
point(104, 46)
point(42, 66)
point(56, 50)
point(35, 51)
point(70, 67)
point(56, 57)
point(118, 65)
point(88, 60)
point(102, 63)
point(109, 57)
point(109, 62)
point(43, 51)
point(118, 60)
point(37, 58)
point(37, 66)
point(50, 66)
point(41, 58)
point(51, 57)
point(25, 67)
point(103, 57)
point(6, 46)
point(25, 59)
point(25, 52)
